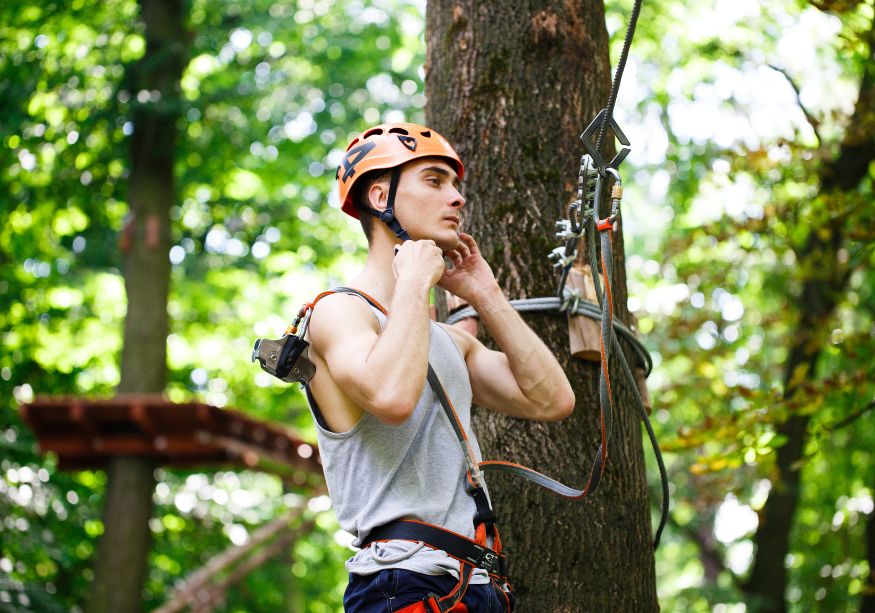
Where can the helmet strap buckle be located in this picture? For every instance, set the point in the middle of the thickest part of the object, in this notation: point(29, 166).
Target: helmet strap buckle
point(387, 216)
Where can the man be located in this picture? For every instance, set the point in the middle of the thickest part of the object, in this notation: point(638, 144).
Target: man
point(387, 446)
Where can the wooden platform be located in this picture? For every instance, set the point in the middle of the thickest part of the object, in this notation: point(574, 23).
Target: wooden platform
point(85, 433)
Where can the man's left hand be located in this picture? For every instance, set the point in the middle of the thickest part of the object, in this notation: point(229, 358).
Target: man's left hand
point(470, 278)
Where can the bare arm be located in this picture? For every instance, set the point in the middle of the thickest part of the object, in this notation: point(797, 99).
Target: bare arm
point(382, 372)
point(523, 379)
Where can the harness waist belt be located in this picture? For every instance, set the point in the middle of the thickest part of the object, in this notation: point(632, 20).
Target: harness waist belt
point(455, 545)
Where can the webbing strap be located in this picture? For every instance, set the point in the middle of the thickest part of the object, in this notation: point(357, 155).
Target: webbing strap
point(515, 469)
point(449, 601)
point(457, 546)
point(388, 216)
point(458, 429)
point(582, 307)
point(470, 553)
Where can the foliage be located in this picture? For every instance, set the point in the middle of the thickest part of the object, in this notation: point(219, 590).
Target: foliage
point(738, 131)
point(271, 93)
point(723, 191)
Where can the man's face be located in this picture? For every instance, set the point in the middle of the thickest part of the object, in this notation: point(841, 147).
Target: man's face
point(428, 203)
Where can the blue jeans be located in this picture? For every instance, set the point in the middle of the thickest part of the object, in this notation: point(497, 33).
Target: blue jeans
point(393, 589)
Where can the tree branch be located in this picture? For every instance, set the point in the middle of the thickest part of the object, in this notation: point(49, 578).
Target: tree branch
point(199, 581)
point(809, 116)
point(847, 421)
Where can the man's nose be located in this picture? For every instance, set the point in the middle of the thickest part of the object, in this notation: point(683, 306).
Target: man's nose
point(458, 201)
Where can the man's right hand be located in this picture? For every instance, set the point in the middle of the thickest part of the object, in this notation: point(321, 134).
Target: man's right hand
point(419, 260)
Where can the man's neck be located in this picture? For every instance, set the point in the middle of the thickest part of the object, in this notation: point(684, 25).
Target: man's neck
point(378, 279)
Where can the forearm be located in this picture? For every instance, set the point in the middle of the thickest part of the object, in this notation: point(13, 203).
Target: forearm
point(537, 373)
point(398, 362)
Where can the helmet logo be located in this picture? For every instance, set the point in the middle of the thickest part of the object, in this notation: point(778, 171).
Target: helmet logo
point(353, 157)
point(408, 141)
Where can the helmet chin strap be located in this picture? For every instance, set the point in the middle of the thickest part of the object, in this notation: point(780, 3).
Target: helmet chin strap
point(388, 216)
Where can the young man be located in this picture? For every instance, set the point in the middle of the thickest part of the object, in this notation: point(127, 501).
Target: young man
point(388, 449)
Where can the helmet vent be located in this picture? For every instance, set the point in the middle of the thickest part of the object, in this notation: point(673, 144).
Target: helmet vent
point(398, 131)
point(426, 134)
point(374, 132)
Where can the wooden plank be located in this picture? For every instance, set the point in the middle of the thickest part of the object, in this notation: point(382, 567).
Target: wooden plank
point(84, 432)
point(584, 333)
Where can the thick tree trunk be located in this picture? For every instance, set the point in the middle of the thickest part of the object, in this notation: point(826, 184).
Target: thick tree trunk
point(826, 278)
point(513, 86)
point(154, 82)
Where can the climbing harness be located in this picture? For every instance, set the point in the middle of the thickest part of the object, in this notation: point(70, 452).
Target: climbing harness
point(288, 356)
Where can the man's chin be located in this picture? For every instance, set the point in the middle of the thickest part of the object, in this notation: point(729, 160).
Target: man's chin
point(448, 243)
point(446, 240)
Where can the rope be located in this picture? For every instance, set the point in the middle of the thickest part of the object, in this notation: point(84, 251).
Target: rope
point(590, 231)
point(592, 227)
point(618, 74)
point(584, 307)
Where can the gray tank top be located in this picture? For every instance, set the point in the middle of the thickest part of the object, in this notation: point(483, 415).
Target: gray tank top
point(377, 472)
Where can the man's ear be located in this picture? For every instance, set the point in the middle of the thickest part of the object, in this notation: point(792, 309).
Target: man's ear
point(378, 195)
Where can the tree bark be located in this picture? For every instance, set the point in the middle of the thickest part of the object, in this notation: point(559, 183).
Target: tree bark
point(512, 86)
point(825, 283)
point(154, 87)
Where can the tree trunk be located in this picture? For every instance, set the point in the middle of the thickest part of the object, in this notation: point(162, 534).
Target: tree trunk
point(154, 87)
point(513, 86)
point(825, 282)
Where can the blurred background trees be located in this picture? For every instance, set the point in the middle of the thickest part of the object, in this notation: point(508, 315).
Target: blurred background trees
point(268, 98)
point(747, 247)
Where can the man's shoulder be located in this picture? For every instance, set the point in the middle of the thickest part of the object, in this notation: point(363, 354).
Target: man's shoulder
point(341, 312)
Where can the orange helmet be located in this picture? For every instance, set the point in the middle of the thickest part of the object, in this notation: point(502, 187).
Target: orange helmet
point(386, 146)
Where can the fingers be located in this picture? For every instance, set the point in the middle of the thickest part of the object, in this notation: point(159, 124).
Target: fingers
point(418, 259)
point(463, 250)
point(417, 247)
point(469, 242)
point(455, 257)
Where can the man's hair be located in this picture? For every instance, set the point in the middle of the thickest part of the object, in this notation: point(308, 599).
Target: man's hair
point(360, 198)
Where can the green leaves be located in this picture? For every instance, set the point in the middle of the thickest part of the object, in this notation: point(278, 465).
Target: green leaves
point(268, 101)
point(747, 224)
point(725, 219)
